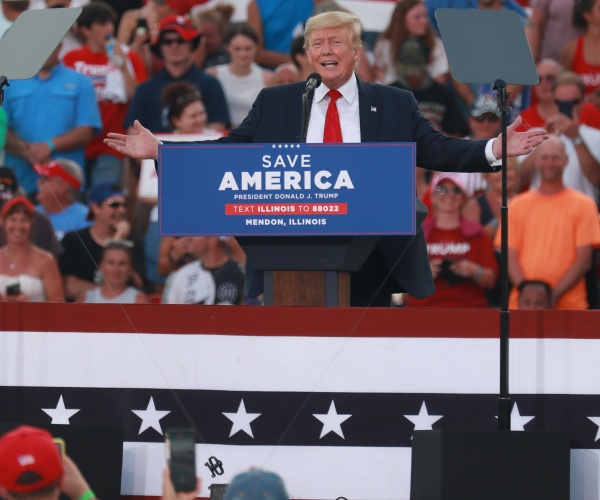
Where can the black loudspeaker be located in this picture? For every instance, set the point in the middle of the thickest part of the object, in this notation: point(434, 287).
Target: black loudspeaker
point(498, 465)
point(97, 451)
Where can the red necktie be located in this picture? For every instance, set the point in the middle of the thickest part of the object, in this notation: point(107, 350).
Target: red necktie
point(333, 129)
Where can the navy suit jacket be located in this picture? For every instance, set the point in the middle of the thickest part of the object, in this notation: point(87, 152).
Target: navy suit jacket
point(387, 114)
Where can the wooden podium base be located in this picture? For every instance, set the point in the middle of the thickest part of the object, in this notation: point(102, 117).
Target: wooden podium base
point(307, 288)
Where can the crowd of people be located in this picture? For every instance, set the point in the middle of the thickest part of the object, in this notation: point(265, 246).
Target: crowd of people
point(75, 227)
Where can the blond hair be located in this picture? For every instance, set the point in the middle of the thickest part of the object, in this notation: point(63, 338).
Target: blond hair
point(334, 19)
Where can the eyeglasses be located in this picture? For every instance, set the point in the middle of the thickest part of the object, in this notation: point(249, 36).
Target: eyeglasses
point(441, 190)
point(487, 117)
point(116, 204)
point(171, 41)
point(547, 78)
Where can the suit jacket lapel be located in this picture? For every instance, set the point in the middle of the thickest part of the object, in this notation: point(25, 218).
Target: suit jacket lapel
point(369, 109)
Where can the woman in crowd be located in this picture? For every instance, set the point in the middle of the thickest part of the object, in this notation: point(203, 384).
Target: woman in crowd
point(545, 106)
point(485, 210)
point(116, 269)
point(213, 24)
point(582, 56)
point(242, 79)
point(27, 273)
point(409, 19)
point(461, 254)
point(186, 115)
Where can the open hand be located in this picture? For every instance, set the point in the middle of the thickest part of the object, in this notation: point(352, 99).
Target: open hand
point(519, 143)
point(141, 144)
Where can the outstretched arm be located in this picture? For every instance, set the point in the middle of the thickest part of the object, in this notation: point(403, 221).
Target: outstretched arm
point(519, 143)
point(141, 144)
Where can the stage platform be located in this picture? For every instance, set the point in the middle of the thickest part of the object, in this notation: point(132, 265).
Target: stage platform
point(328, 398)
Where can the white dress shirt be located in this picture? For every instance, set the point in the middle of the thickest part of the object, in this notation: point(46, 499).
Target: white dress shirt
point(347, 106)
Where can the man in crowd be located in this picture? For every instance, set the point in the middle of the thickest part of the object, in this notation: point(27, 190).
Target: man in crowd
point(176, 43)
point(114, 76)
point(551, 232)
point(31, 468)
point(83, 249)
point(535, 294)
point(59, 188)
point(213, 279)
point(368, 113)
point(52, 115)
point(436, 101)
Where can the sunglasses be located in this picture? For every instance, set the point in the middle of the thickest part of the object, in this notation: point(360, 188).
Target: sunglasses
point(171, 41)
point(487, 117)
point(453, 191)
point(116, 204)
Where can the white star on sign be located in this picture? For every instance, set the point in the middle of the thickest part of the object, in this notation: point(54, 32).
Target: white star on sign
point(60, 415)
point(241, 420)
point(151, 417)
point(596, 420)
point(517, 422)
point(423, 421)
point(332, 422)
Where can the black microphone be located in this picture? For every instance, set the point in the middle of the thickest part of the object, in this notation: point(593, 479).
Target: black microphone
point(313, 81)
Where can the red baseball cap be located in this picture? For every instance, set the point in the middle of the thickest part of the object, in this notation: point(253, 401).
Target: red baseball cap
point(67, 170)
point(29, 460)
point(180, 25)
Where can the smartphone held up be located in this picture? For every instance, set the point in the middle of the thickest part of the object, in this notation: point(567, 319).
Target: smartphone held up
point(181, 458)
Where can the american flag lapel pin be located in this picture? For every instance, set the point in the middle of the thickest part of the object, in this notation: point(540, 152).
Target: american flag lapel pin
point(373, 109)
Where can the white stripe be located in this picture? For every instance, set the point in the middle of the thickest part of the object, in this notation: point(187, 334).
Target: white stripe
point(326, 364)
point(318, 472)
point(308, 472)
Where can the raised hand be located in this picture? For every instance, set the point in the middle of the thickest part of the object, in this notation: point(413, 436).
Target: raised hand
point(519, 143)
point(141, 144)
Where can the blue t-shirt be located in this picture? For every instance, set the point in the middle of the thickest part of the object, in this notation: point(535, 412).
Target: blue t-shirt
point(281, 20)
point(146, 106)
point(73, 218)
point(39, 110)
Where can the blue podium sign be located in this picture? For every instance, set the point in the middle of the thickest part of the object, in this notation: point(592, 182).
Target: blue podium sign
point(287, 189)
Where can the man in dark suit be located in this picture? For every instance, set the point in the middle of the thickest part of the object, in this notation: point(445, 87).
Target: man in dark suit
point(368, 113)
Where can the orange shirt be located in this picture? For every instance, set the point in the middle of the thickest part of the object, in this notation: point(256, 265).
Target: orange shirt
point(546, 230)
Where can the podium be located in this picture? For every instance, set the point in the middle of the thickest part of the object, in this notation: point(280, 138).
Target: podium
point(306, 215)
point(307, 271)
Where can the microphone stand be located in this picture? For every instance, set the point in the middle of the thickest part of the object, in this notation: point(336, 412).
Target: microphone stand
point(306, 105)
point(504, 402)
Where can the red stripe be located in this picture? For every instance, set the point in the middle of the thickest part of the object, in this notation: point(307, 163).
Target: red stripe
point(296, 321)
